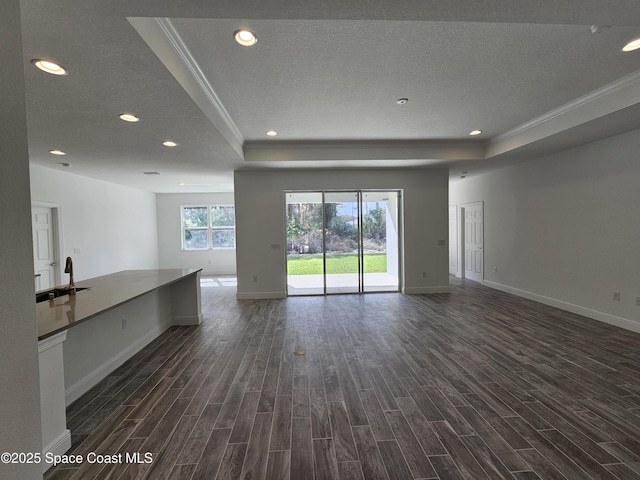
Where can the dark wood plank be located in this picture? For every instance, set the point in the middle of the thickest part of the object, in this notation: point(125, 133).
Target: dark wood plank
point(370, 459)
point(282, 422)
point(255, 462)
point(197, 441)
point(464, 459)
point(320, 423)
point(324, 459)
point(540, 465)
point(165, 459)
point(499, 445)
point(342, 434)
point(421, 428)
point(230, 407)
point(244, 421)
point(416, 458)
point(301, 449)
point(232, 461)
point(301, 396)
point(445, 467)
point(212, 455)
point(383, 392)
point(393, 460)
point(268, 393)
point(350, 471)
point(278, 466)
point(377, 419)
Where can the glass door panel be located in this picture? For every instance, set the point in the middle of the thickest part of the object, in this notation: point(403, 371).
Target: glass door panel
point(380, 241)
point(305, 259)
point(342, 242)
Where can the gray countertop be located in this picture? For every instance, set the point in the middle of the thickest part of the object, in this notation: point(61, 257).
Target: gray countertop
point(104, 293)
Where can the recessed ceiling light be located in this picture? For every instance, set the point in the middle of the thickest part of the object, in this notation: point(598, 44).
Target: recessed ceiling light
point(245, 37)
point(49, 67)
point(127, 117)
point(169, 143)
point(632, 45)
point(473, 133)
point(181, 184)
point(271, 133)
point(57, 152)
point(402, 101)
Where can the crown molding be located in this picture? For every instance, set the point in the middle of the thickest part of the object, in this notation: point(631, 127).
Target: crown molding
point(165, 41)
point(622, 93)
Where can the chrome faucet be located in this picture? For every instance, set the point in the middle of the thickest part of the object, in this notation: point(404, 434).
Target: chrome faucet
point(68, 268)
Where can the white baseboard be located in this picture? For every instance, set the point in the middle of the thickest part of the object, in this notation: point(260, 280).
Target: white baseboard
point(187, 320)
point(569, 307)
point(260, 295)
point(423, 290)
point(83, 386)
point(58, 447)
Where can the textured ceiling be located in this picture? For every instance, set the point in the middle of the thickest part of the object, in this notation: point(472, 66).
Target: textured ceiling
point(326, 76)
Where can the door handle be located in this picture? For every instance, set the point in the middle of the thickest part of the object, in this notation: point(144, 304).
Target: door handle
point(38, 275)
point(53, 264)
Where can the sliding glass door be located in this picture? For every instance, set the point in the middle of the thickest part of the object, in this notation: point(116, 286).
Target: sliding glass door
point(305, 244)
point(380, 246)
point(342, 247)
point(342, 242)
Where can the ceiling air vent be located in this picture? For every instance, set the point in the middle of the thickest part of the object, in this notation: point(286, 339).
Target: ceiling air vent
point(151, 173)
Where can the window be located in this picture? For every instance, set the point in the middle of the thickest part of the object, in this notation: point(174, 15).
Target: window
point(208, 226)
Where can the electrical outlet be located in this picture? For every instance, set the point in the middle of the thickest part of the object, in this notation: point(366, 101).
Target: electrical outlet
point(638, 301)
point(124, 323)
point(424, 274)
point(495, 269)
point(77, 251)
point(255, 279)
point(616, 296)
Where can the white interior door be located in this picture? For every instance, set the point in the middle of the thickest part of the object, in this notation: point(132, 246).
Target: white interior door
point(44, 256)
point(453, 240)
point(473, 235)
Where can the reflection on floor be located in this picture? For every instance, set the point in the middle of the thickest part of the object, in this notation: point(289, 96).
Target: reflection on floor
point(218, 282)
point(341, 283)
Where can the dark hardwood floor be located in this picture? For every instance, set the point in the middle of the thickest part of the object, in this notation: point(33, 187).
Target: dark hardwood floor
point(476, 384)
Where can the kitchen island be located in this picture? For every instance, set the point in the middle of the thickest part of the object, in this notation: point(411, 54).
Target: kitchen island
point(82, 338)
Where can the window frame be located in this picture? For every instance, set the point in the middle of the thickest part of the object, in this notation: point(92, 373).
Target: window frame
point(209, 228)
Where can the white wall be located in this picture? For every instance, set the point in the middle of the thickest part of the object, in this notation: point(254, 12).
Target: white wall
point(115, 227)
point(21, 429)
point(171, 255)
point(259, 201)
point(565, 229)
point(96, 347)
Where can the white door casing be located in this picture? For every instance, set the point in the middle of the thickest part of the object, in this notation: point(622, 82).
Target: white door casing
point(473, 241)
point(44, 250)
point(453, 240)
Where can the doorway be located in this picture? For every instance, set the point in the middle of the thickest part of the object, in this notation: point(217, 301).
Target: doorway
point(342, 242)
point(44, 221)
point(472, 235)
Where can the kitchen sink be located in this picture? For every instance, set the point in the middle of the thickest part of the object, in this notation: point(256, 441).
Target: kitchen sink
point(57, 292)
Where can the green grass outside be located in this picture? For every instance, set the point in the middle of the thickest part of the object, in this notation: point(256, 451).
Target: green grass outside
point(336, 263)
